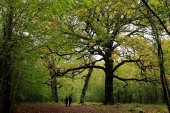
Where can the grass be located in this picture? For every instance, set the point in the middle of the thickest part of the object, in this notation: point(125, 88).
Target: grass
point(133, 108)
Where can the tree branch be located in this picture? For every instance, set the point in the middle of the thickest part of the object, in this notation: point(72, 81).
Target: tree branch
point(59, 54)
point(159, 19)
point(123, 62)
point(76, 35)
point(82, 67)
point(138, 80)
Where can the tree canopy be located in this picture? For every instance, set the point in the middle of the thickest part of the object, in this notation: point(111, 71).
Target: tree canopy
point(54, 46)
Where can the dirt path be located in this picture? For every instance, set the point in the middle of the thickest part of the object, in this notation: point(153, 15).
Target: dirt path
point(60, 108)
point(78, 109)
point(52, 109)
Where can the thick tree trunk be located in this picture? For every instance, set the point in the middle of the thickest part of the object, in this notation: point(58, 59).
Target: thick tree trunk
point(54, 90)
point(6, 87)
point(53, 84)
point(83, 93)
point(108, 90)
point(108, 81)
point(6, 64)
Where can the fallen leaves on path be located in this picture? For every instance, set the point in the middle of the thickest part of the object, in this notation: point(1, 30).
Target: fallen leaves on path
point(53, 109)
point(91, 108)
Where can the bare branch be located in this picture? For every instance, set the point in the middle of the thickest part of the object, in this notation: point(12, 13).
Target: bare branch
point(154, 81)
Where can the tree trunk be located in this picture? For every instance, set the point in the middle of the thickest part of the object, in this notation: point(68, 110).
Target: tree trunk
point(54, 89)
point(164, 81)
point(108, 90)
point(108, 81)
point(6, 64)
point(83, 93)
point(6, 87)
point(163, 78)
point(53, 82)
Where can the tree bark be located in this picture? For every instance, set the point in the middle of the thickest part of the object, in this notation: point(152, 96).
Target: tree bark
point(108, 80)
point(83, 93)
point(54, 90)
point(164, 82)
point(6, 85)
point(6, 64)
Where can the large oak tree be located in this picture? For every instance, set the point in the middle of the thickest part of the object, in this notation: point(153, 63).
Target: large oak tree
point(103, 28)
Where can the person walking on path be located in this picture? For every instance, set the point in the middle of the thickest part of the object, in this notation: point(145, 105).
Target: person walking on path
point(66, 101)
point(69, 100)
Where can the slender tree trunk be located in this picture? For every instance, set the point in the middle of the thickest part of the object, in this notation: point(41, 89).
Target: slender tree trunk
point(164, 82)
point(108, 80)
point(6, 64)
point(83, 93)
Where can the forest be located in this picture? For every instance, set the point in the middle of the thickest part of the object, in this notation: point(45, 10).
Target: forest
point(109, 56)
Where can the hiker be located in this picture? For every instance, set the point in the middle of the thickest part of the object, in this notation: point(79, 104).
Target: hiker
point(69, 100)
point(66, 101)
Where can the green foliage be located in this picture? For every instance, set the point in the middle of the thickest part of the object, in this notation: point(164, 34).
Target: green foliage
point(30, 82)
point(38, 24)
point(95, 92)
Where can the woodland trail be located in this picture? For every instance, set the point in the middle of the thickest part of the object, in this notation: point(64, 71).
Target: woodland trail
point(91, 108)
point(78, 109)
point(53, 109)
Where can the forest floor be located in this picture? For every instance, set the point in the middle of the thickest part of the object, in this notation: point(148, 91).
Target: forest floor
point(89, 108)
